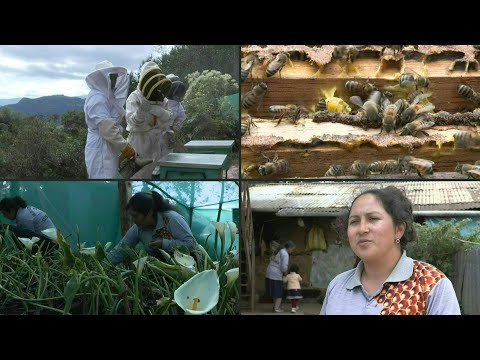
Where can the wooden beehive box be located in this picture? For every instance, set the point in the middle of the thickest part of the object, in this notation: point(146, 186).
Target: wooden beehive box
point(310, 147)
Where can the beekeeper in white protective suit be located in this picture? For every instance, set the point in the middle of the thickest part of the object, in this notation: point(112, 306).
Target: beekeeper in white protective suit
point(175, 97)
point(148, 117)
point(103, 114)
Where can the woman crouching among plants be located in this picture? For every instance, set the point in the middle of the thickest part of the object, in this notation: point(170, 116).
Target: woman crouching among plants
point(157, 226)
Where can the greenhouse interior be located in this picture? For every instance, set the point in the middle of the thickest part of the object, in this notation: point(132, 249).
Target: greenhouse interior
point(90, 218)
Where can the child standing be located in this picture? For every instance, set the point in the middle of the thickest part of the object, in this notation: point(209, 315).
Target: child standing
point(294, 293)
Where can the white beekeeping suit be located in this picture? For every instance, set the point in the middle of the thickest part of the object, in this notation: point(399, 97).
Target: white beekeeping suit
point(175, 97)
point(148, 117)
point(103, 115)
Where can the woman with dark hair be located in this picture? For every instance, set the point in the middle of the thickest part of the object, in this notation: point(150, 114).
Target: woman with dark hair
point(157, 226)
point(379, 225)
point(277, 268)
point(30, 221)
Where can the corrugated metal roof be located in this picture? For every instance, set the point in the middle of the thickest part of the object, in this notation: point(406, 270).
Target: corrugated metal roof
point(330, 198)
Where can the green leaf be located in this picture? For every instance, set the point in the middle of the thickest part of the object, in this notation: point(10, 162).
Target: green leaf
point(70, 291)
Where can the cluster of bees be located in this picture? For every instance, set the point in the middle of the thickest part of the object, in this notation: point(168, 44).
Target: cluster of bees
point(403, 165)
point(379, 109)
point(399, 109)
point(255, 96)
point(383, 109)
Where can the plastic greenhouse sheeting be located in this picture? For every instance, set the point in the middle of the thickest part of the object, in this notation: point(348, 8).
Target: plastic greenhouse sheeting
point(234, 99)
point(199, 202)
point(92, 206)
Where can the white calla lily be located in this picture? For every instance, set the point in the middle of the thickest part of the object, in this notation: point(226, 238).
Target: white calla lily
point(51, 233)
point(184, 260)
point(29, 242)
point(139, 264)
point(88, 251)
point(232, 275)
point(220, 228)
point(199, 294)
point(233, 231)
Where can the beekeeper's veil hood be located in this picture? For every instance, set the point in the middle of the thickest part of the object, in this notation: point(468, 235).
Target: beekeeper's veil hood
point(177, 90)
point(107, 76)
point(153, 85)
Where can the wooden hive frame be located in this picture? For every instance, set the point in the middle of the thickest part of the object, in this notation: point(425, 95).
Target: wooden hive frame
point(310, 147)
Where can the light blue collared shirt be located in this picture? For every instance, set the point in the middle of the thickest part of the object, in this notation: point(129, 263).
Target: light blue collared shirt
point(346, 295)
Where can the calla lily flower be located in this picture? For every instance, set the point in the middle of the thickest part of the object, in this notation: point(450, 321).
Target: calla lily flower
point(233, 231)
point(139, 264)
point(29, 243)
point(184, 260)
point(221, 229)
point(232, 275)
point(51, 233)
point(88, 251)
point(199, 294)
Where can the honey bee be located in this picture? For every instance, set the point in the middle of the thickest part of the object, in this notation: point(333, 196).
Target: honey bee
point(247, 65)
point(391, 167)
point(384, 167)
point(406, 163)
point(475, 174)
point(277, 64)
point(467, 139)
point(413, 79)
point(417, 93)
point(386, 99)
point(423, 167)
point(415, 109)
point(371, 107)
point(321, 105)
point(358, 88)
point(468, 93)
point(359, 168)
point(254, 96)
point(335, 170)
point(273, 167)
point(390, 115)
point(465, 168)
point(417, 126)
point(246, 123)
point(396, 48)
point(348, 52)
point(292, 111)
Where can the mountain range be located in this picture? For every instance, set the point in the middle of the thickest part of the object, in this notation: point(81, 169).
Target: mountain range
point(9, 101)
point(47, 105)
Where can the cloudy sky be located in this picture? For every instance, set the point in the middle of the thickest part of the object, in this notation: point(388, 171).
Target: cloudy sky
point(40, 70)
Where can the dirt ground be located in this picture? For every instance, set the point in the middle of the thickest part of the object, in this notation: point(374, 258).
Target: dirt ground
point(306, 307)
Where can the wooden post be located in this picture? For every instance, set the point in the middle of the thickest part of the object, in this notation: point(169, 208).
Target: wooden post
point(124, 193)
